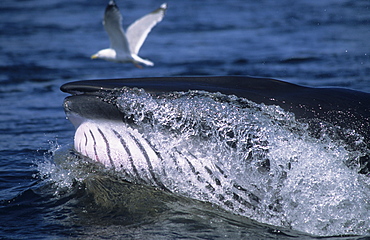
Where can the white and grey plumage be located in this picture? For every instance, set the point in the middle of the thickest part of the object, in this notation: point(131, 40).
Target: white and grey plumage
point(124, 48)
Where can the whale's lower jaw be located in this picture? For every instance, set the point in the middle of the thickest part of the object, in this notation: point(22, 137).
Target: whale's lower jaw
point(118, 146)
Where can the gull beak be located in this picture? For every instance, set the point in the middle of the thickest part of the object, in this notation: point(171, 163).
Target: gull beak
point(94, 56)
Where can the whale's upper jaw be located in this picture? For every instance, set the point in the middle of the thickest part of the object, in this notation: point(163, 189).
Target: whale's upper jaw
point(240, 86)
point(87, 100)
point(343, 107)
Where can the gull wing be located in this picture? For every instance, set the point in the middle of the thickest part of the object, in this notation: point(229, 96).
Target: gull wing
point(139, 30)
point(113, 26)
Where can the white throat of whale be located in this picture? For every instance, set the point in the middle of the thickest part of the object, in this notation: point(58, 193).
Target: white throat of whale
point(249, 158)
point(119, 147)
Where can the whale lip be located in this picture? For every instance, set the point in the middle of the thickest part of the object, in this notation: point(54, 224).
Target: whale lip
point(79, 108)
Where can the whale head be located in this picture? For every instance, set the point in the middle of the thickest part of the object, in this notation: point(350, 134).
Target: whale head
point(236, 142)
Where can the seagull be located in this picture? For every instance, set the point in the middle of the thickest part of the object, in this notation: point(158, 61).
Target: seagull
point(124, 48)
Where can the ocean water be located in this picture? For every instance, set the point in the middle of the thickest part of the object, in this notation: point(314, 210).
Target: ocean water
point(48, 193)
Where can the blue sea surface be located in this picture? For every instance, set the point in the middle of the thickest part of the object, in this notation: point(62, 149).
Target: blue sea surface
point(45, 44)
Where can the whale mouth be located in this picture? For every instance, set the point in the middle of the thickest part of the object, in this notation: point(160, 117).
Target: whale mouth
point(249, 157)
point(342, 108)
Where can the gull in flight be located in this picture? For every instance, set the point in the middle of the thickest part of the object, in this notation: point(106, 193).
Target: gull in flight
point(124, 48)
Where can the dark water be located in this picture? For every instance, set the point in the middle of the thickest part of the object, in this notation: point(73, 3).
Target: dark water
point(47, 43)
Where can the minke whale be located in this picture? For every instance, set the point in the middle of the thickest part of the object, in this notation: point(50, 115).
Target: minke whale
point(209, 137)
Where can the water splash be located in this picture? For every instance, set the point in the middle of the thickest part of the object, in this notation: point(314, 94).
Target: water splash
point(289, 174)
point(62, 170)
point(60, 178)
